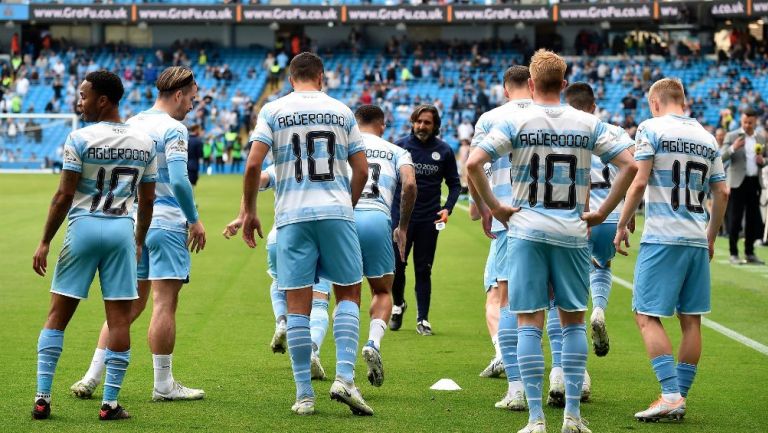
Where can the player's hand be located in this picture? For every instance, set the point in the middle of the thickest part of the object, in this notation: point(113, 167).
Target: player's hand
point(443, 216)
point(233, 227)
point(631, 224)
point(487, 220)
point(738, 143)
point(711, 245)
point(400, 238)
point(196, 237)
point(40, 259)
point(250, 223)
point(622, 235)
point(504, 213)
point(593, 218)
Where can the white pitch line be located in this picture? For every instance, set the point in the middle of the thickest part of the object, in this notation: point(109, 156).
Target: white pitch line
point(728, 332)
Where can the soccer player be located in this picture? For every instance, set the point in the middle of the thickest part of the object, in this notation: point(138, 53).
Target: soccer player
point(105, 165)
point(389, 166)
point(176, 226)
point(679, 163)
point(550, 146)
point(312, 137)
point(318, 317)
point(581, 97)
point(502, 323)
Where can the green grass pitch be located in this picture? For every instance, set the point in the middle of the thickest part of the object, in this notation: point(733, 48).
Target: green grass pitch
point(225, 324)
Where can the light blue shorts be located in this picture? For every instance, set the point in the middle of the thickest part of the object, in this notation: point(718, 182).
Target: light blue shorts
point(534, 265)
point(374, 229)
point(324, 286)
point(104, 244)
point(496, 266)
point(168, 255)
point(671, 278)
point(308, 251)
point(601, 243)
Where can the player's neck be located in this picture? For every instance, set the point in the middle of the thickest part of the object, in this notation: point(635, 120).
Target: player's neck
point(305, 87)
point(369, 130)
point(515, 95)
point(677, 111)
point(111, 115)
point(546, 98)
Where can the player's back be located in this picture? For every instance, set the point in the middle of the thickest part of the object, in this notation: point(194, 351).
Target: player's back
point(602, 175)
point(498, 171)
point(551, 149)
point(685, 161)
point(311, 136)
point(384, 162)
point(112, 159)
point(170, 137)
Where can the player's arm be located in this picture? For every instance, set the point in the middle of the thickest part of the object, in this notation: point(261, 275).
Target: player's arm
point(477, 159)
point(407, 201)
point(627, 171)
point(720, 195)
point(234, 226)
point(478, 210)
point(632, 201)
point(359, 165)
point(62, 201)
point(251, 183)
point(144, 214)
point(178, 178)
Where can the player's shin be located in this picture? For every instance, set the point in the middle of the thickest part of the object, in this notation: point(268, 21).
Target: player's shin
point(300, 349)
point(574, 363)
point(49, 346)
point(346, 330)
point(531, 361)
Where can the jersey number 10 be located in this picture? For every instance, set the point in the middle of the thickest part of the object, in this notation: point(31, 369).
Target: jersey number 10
point(689, 167)
point(113, 182)
point(312, 136)
point(549, 169)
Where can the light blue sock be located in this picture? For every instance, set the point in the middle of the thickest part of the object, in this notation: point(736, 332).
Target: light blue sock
point(664, 367)
point(555, 334)
point(279, 305)
point(531, 360)
point(574, 363)
point(600, 284)
point(300, 349)
point(117, 364)
point(685, 375)
point(346, 329)
point(508, 343)
point(318, 322)
point(49, 346)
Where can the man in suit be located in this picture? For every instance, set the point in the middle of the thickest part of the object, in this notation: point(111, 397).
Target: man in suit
point(746, 150)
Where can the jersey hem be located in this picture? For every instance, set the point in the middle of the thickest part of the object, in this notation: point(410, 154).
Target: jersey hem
point(581, 244)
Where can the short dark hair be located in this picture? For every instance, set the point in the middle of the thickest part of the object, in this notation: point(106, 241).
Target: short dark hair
point(108, 84)
point(517, 76)
point(368, 114)
point(749, 112)
point(580, 96)
point(429, 109)
point(305, 67)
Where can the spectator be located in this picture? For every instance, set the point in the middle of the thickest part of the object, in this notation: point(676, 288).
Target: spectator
point(22, 86)
point(194, 154)
point(746, 150)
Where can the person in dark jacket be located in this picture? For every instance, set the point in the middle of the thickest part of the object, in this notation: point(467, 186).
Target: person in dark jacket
point(194, 154)
point(434, 162)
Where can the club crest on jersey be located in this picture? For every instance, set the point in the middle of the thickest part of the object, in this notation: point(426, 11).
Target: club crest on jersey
point(436, 156)
point(179, 146)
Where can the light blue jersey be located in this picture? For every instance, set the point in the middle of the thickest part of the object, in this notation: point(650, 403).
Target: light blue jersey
point(550, 149)
point(498, 171)
point(685, 162)
point(112, 158)
point(602, 176)
point(311, 136)
point(384, 163)
point(171, 138)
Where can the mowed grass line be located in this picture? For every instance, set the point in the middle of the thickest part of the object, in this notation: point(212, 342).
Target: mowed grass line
point(225, 323)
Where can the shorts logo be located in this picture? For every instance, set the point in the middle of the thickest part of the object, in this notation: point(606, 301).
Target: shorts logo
point(436, 156)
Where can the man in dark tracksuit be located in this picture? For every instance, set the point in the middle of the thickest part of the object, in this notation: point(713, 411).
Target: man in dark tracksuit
point(434, 162)
point(194, 154)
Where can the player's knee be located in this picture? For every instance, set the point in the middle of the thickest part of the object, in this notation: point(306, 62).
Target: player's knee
point(644, 322)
